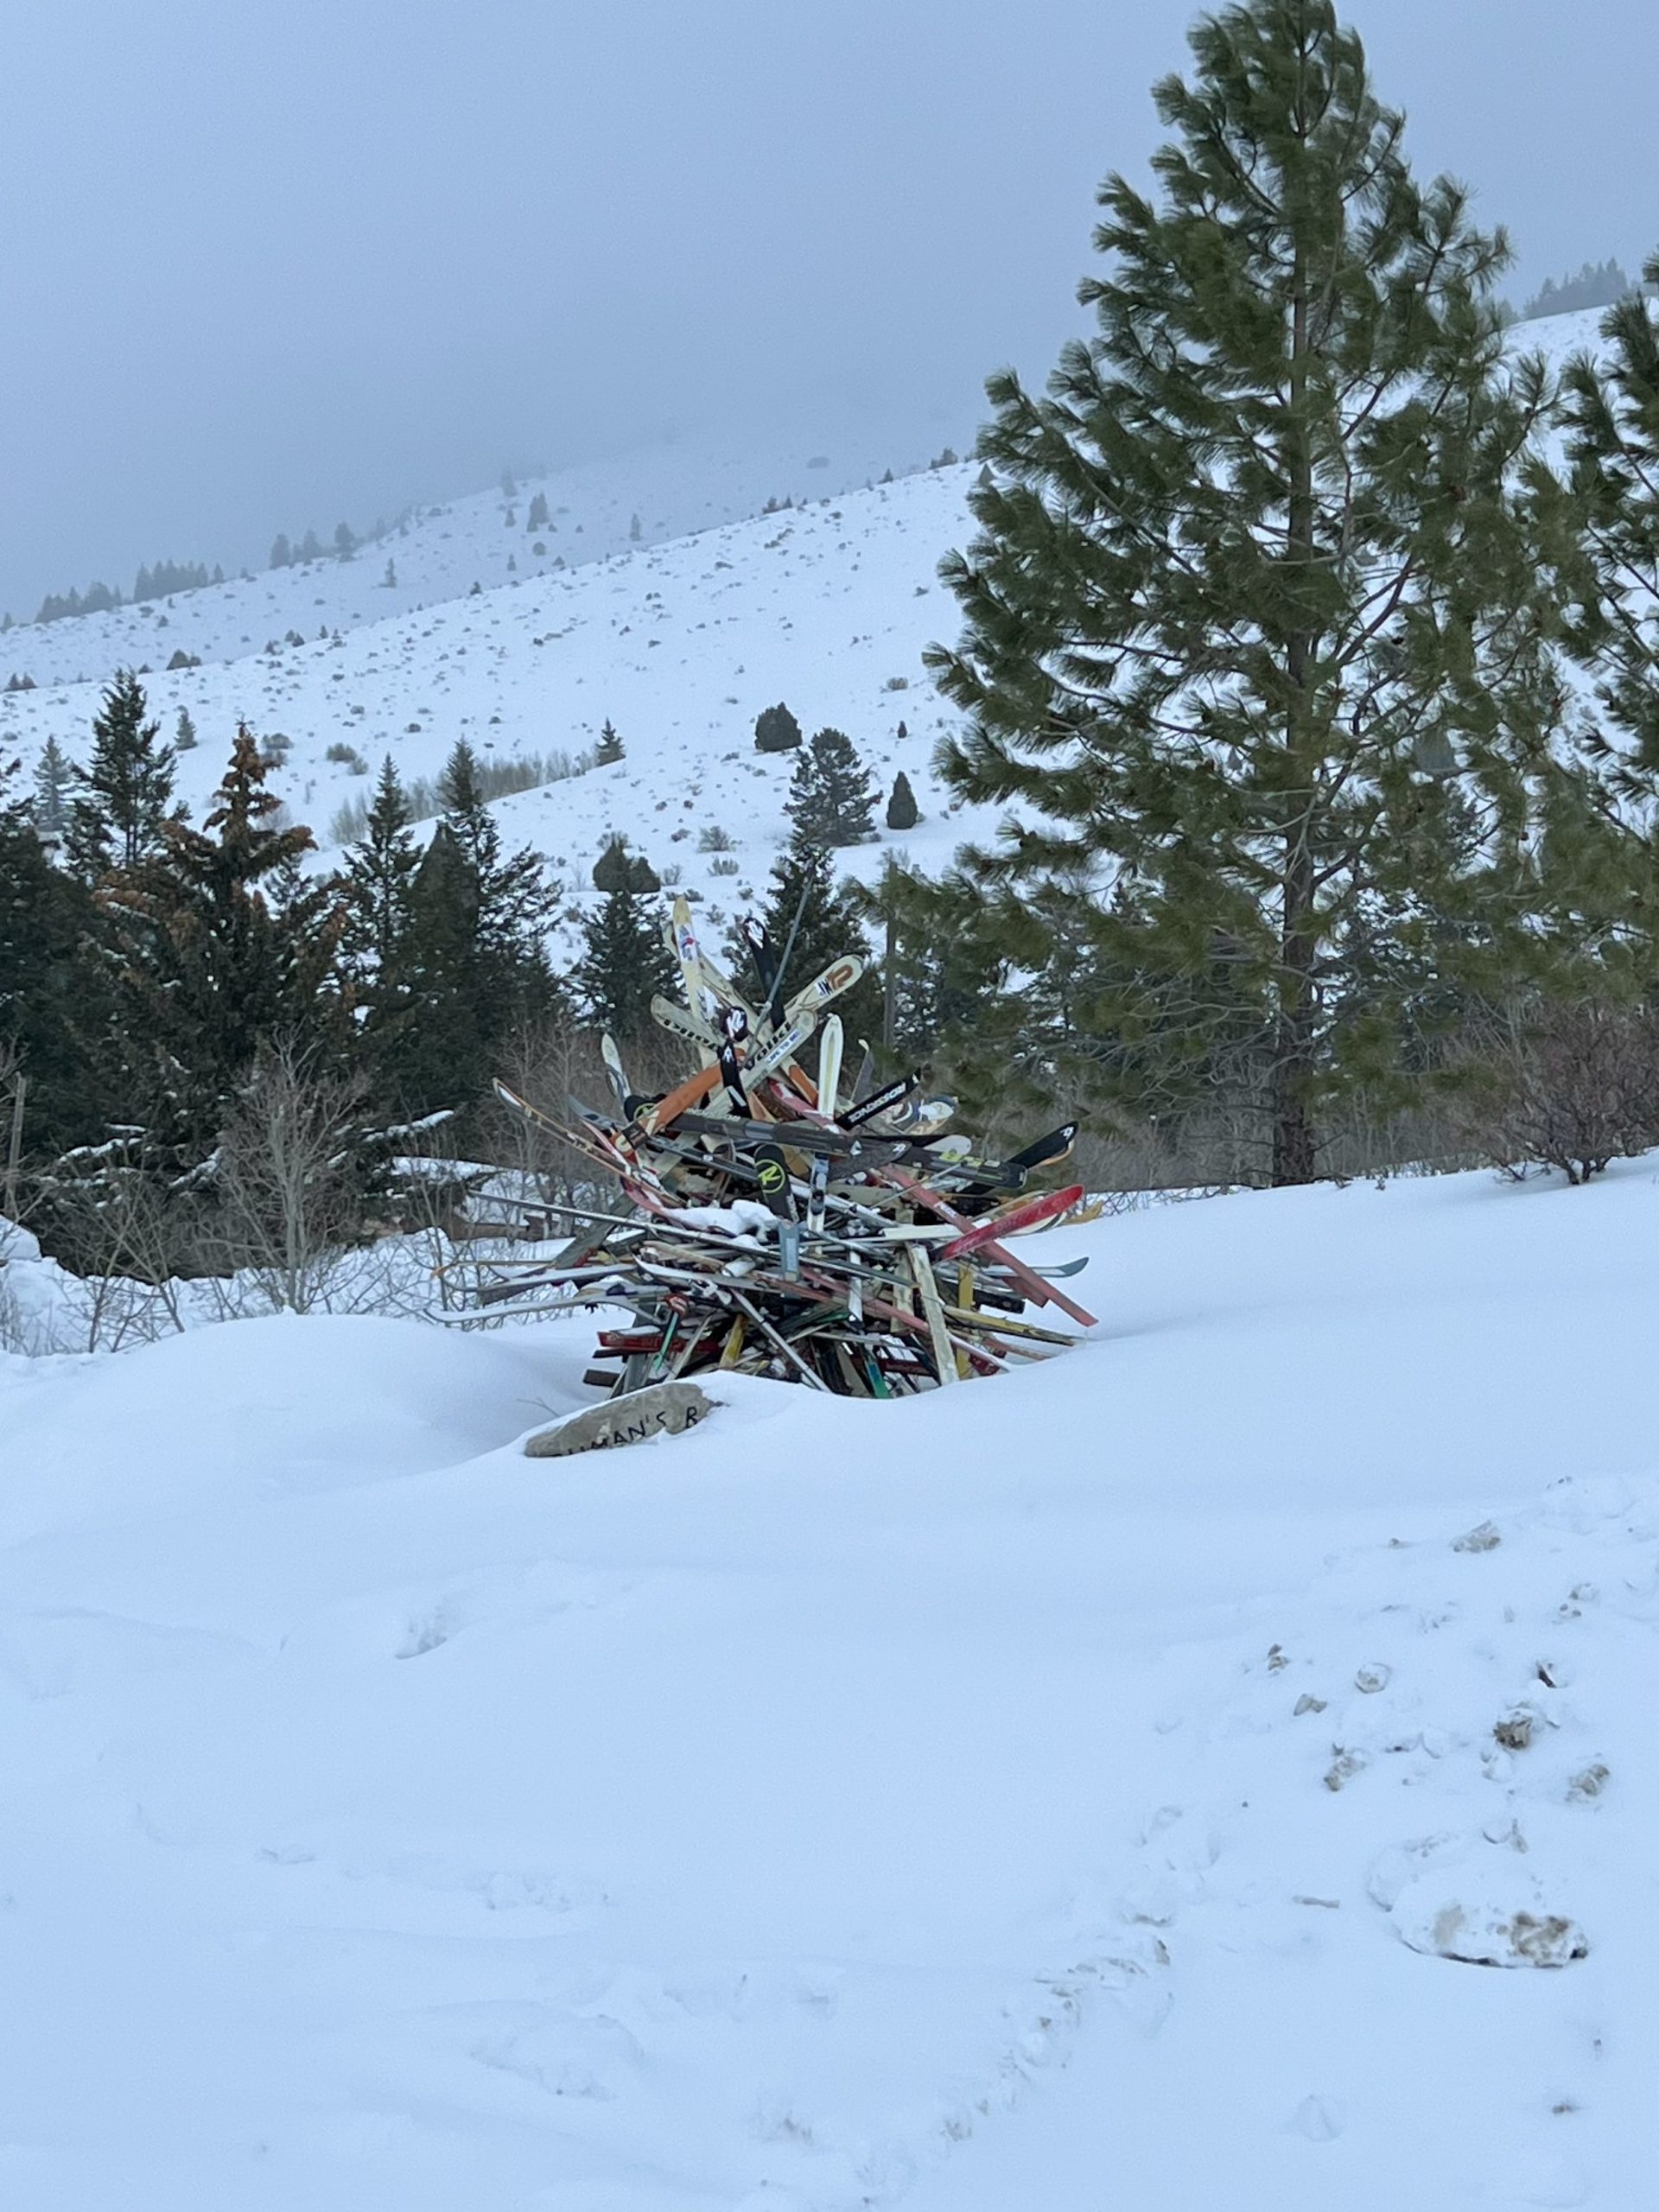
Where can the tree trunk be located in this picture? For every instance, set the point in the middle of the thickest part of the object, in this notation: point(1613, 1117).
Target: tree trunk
point(1294, 1149)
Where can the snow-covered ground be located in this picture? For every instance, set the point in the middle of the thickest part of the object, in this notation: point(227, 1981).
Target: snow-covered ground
point(1054, 1793)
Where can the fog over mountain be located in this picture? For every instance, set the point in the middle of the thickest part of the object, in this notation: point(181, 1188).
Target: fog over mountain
point(268, 268)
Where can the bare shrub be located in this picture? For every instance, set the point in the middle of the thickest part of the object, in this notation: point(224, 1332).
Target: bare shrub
point(127, 1235)
point(288, 1179)
point(1557, 1084)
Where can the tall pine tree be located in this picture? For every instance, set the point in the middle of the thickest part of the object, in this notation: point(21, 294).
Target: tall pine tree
point(1611, 405)
point(43, 917)
point(830, 800)
point(213, 954)
point(1252, 599)
point(516, 901)
point(378, 880)
point(448, 944)
point(54, 783)
point(125, 789)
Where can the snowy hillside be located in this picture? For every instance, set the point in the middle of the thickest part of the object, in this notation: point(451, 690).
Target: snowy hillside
point(1082, 1787)
point(679, 641)
point(679, 645)
point(440, 551)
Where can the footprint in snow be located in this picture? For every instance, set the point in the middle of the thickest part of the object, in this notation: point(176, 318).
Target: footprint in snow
point(1320, 2119)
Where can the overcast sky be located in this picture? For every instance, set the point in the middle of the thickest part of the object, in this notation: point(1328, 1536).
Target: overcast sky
point(266, 266)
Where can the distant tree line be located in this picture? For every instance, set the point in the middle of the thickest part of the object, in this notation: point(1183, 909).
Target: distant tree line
point(159, 581)
point(1597, 285)
point(158, 976)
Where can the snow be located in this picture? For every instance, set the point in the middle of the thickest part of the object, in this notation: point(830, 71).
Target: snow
point(680, 641)
point(1078, 1787)
point(681, 644)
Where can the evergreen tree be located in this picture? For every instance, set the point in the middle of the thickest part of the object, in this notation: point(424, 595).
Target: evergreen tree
point(1612, 406)
point(830, 801)
point(213, 954)
point(776, 730)
point(54, 780)
point(378, 874)
point(805, 903)
point(537, 517)
point(472, 961)
point(939, 987)
point(625, 962)
point(516, 902)
point(1256, 558)
point(610, 747)
point(902, 811)
point(618, 869)
point(378, 941)
point(434, 1042)
point(281, 553)
point(119, 819)
point(611, 869)
point(44, 915)
point(184, 736)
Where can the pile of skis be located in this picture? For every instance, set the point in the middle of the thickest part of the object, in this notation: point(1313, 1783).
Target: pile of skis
point(781, 1223)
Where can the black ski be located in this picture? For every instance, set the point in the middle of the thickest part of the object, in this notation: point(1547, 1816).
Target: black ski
point(881, 1102)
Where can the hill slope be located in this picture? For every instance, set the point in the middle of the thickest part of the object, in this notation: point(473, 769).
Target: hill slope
point(679, 645)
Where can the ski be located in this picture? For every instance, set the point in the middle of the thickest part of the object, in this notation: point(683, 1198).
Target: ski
point(681, 1023)
point(839, 976)
point(829, 1049)
point(1026, 1213)
point(1045, 1152)
point(881, 1102)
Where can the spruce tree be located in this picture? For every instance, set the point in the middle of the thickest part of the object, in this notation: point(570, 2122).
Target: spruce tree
point(378, 874)
point(212, 955)
point(516, 902)
point(44, 916)
point(434, 1050)
point(471, 962)
point(54, 781)
point(610, 747)
point(830, 801)
point(378, 880)
point(625, 962)
point(902, 811)
point(776, 730)
point(804, 902)
point(1256, 561)
point(119, 819)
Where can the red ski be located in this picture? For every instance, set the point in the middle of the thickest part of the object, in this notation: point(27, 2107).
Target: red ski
point(1044, 1206)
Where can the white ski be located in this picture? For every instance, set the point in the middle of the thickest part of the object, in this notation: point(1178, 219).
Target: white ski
point(829, 1066)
